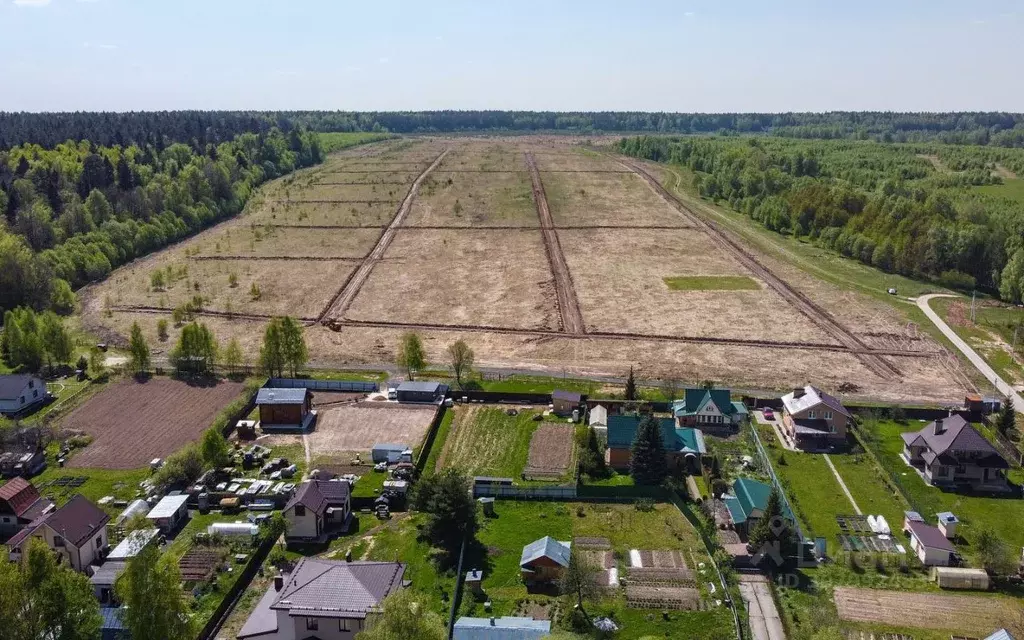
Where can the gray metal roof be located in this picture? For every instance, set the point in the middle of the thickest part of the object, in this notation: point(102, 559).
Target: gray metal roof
point(11, 386)
point(338, 589)
point(167, 507)
point(133, 544)
point(390, 446)
point(546, 547)
point(569, 396)
point(281, 396)
point(421, 386)
point(108, 573)
point(504, 628)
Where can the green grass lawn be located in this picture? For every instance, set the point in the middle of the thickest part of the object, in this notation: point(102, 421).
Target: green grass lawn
point(994, 325)
point(369, 484)
point(519, 523)
point(711, 283)
point(485, 441)
point(123, 485)
point(1002, 515)
point(1011, 188)
point(443, 430)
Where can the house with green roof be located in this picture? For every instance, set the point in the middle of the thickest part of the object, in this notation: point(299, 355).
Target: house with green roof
point(711, 410)
point(748, 502)
point(684, 446)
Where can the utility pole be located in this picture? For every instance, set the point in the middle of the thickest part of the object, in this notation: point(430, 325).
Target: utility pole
point(973, 296)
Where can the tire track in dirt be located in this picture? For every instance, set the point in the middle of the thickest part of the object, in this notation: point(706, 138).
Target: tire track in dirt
point(342, 300)
point(821, 318)
point(568, 304)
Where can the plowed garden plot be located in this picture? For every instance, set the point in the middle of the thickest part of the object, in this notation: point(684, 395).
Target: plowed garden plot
point(258, 242)
point(375, 213)
point(625, 291)
point(551, 452)
point(287, 287)
point(615, 199)
point(971, 615)
point(474, 200)
point(357, 427)
point(650, 597)
point(131, 422)
point(486, 441)
point(472, 277)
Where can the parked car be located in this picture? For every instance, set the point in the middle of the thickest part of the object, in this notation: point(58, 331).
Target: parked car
point(768, 414)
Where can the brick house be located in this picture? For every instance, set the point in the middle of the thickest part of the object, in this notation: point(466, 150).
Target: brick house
point(543, 561)
point(813, 418)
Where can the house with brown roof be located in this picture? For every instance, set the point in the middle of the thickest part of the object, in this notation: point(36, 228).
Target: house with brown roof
point(814, 419)
point(319, 509)
point(76, 532)
point(20, 504)
point(322, 599)
point(951, 453)
point(932, 548)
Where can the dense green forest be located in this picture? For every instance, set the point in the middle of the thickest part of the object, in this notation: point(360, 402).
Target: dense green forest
point(199, 128)
point(921, 210)
point(75, 212)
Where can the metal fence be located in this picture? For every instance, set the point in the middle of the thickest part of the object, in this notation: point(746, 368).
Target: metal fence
point(560, 492)
point(345, 386)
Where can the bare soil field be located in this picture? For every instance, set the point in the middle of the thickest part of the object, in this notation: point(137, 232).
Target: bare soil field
point(370, 175)
point(366, 213)
point(357, 427)
point(474, 200)
point(574, 159)
point(133, 422)
point(287, 287)
point(483, 155)
point(343, 193)
point(471, 277)
point(259, 242)
point(551, 450)
point(625, 291)
point(606, 199)
point(972, 615)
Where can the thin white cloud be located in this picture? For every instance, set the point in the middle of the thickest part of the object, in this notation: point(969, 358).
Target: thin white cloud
point(31, 3)
point(689, 14)
point(100, 45)
point(384, 60)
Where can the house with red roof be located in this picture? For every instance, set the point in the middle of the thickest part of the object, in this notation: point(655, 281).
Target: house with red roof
point(20, 504)
point(76, 532)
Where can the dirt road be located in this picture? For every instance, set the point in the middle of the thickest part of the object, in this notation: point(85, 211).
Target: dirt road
point(568, 304)
point(343, 300)
point(971, 354)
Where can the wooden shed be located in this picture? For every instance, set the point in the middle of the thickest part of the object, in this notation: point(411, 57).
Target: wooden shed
point(961, 578)
point(284, 409)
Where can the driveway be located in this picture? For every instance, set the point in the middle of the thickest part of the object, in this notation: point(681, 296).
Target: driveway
point(765, 623)
point(972, 355)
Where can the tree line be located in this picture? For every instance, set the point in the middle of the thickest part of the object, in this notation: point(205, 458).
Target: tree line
point(885, 205)
point(75, 212)
point(200, 128)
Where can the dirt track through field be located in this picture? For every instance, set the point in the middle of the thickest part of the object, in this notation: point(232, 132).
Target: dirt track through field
point(350, 289)
point(798, 300)
point(568, 304)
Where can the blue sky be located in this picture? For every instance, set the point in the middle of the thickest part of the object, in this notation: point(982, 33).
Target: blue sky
point(684, 55)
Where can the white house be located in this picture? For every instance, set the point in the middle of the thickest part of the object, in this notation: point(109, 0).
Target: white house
point(18, 392)
point(318, 509)
point(77, 532)
point(324, 599)
point(930, 545)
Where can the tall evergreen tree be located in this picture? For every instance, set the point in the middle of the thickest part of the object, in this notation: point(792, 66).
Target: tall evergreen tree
point(772, 537)
point(1006, 419)
point(631, 393)
point(647, 464)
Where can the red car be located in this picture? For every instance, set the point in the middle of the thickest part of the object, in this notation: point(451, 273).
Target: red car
point(768, 414)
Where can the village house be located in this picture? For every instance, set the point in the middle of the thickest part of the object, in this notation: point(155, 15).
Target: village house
point(77, 532)
point(711, 410)
point(20, 504)
point(324, 599)
point(683, 446)
point(543, 561)
point(747, 504)
point(563, 403)
point(20, 392)
point(319, 509)
point(813, 419)
point(503, 628)
point(949, 452)
point(285, 409)
point(931, 547)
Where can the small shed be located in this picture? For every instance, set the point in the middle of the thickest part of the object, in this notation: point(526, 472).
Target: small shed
point(565, 402)
point(388, 452)
point(133, 544)
point(961, 578)
point(488, 506)
point(399, 487)
point(474, 581)
point(948, 524)
point(284, 409)
point(169, 513)
point(422, 392)
point(930, 545)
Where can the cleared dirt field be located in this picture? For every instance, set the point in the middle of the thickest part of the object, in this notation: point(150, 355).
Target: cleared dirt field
point(131, 422)
point(474, 200)
point(972, 615)
point(483, 155)
point(625, 291)
point(470, 277)
point(606, 199)
point(372, 213)
point(551, 451)
point(287, 287)
point(357, 427)
point(569, 159)
point(259, 242)
point(381, 176)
